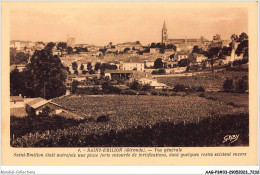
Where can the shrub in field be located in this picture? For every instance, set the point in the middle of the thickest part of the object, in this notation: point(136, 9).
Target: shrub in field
point(173, 94)
point(154, 93)
point(228, 85)
point(202, 95)
point(146, 87)
point(242, 84)
point(130, 92)
point(135, 85)
point(200, 89)
point(103, 118)
point(179, 88)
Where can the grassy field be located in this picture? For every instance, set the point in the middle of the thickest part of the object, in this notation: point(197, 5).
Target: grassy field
point(235, 99)
point(138, 121)
point(207, 80)
point(133, 110)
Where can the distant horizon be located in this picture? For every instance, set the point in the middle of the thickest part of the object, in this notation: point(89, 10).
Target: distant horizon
point(99, 25)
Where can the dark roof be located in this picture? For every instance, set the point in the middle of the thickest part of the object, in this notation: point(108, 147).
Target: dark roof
point(16, 98)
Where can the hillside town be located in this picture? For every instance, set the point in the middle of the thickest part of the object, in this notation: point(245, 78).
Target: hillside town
point(89, 66)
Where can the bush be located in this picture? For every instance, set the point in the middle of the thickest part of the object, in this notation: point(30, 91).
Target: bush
point(129, 92)
point(163, 94)
point(202, 95)
point(146, 87)
point(228, 85)
point(103, 118)
point(179, 88)
point(154, 93)
point(135, 85)
point(173, 94)
point(200, 89)
point(242, 85)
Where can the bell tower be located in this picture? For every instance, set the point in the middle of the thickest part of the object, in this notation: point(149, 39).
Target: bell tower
point(164, 34)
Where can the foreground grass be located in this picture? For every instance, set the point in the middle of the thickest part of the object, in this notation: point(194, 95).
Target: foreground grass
point(207, 132)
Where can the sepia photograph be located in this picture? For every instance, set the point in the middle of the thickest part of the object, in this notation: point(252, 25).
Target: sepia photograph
point(129, 76)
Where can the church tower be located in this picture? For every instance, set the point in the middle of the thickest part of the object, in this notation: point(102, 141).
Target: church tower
point(164, 34)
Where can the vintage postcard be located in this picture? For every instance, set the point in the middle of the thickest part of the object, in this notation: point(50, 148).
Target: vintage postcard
point(129, 83)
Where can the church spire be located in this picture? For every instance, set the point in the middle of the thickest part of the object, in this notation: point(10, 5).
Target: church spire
point(164, 26)
point(164, 33)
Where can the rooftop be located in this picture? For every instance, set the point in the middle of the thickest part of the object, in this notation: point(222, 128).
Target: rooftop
point(16, 98)
point(37, 102)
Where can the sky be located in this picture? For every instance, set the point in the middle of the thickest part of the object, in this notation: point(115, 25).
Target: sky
point(100, 25)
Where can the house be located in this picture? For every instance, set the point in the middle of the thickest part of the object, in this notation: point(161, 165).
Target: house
point(19, 67)
point(148, 64)
point(37, 105)
point(16, 101)
point(153, 83)
point(137, 65)
point(200, 58)
point(181, 55)
point(118, 73)
point(179, 69)
point(155, 50)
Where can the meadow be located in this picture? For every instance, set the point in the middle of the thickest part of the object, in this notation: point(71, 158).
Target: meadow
point(207, 80)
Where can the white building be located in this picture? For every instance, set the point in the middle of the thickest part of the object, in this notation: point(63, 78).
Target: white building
point(132, 66)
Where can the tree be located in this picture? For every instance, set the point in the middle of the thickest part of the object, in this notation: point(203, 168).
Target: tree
point(46, 110)
point(74, 65)
point(158, 63)
point(146, 87)
point(228, 85)
point(74, 86)
point(97, 66)
point(70, 50)
point(226, 51)
point(243, 36)
point(196, 49)
point(242, 48)
point(45, 76)
point(135, 85)
point(126, 49)
point(18, 57)
point(62, 45)
point(184, 62)
point(89, 66)
point(82, 67)
point(213, 52)
point(242, 85)
point(17, 85)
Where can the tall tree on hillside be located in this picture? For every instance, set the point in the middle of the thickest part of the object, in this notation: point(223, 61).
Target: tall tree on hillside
point(70, 50)
point(81, 67)
point(75, 67)
point(89, 66)
point(45, 76)
point(62, 45)
point(17, 85)
point(242, 48)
